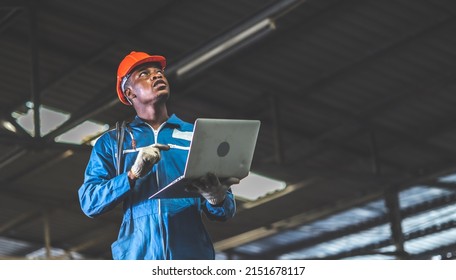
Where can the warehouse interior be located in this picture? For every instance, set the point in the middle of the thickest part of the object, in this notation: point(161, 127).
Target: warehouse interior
point(355, 99)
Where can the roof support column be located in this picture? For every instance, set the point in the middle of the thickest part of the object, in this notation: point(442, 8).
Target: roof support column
point(47, 234)
point(394, 212)
point(34, 82)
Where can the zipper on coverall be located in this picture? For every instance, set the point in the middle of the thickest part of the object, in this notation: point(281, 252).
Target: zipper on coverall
point(160, 219)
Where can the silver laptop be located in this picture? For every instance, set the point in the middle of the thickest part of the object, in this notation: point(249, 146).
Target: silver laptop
point(224, 147)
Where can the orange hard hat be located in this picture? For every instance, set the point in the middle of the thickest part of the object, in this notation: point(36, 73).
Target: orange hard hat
point(126, 66)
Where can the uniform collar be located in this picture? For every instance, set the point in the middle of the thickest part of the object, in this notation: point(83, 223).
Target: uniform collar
point(173, 121)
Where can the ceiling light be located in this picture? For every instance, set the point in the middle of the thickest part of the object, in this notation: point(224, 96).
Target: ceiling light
point(219, 50)
point(9, 126)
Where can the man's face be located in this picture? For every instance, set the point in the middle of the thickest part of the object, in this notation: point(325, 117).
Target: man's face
point(148, 84)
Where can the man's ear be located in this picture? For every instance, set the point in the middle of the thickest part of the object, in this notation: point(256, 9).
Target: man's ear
point(129, 94)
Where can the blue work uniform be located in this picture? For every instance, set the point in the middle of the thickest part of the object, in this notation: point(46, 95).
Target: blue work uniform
point(151, 228)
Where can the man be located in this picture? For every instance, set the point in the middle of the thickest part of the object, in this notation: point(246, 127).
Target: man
point(152, 228)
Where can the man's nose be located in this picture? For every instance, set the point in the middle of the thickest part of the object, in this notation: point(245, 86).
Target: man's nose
point(157, 75)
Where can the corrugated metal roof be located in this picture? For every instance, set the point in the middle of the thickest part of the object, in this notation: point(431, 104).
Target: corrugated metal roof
point(363, 243)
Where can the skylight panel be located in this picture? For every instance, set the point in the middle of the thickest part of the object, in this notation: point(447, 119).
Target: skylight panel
point(255, 186)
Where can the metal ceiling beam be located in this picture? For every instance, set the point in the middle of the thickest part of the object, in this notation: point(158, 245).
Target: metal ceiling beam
point(352, 229)
point(372, 249)
point(357, 124)
point(428, 205)
point(358, 63)
point(209, 54)
point(304, 218)
point(80, 116)
point(311, 145)
point(278, 9)
point(275, 10)
point(292, 1)
point(284, 170)
point(75, 120)
point(385, 104)
point(41, 203)
point(97, 54)
point(298, 245)
point(291, 222)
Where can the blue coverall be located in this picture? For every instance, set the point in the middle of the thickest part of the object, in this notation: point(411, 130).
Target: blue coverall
point(151, 228)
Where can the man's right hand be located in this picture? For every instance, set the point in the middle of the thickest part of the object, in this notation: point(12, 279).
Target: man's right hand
point(146, 158)
point(211, 188)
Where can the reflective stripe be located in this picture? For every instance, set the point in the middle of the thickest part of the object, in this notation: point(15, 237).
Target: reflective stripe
point(186, 135)
point(171, 146)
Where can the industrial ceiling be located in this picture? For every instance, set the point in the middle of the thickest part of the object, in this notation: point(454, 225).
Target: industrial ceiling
point(355, 99)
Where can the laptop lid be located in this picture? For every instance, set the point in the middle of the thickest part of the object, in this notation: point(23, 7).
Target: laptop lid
point(224, 147)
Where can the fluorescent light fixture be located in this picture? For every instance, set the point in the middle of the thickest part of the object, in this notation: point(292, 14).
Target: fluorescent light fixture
point(9, 126)
point(234, 43)
point(243, 35)
point(50, 119)
point(82, 133)
point(255, 186)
